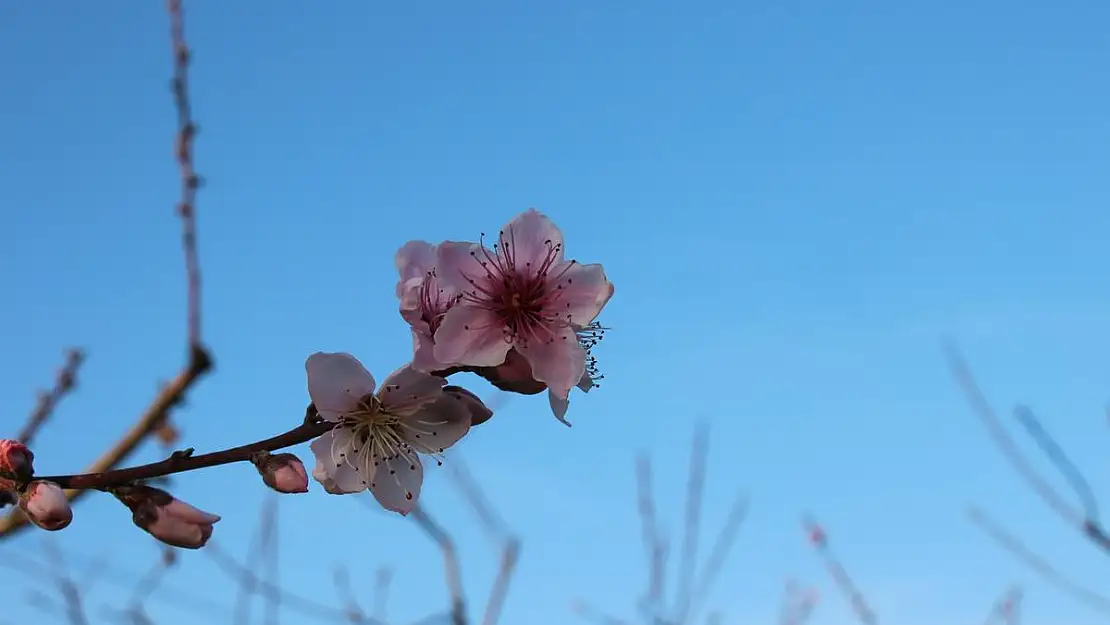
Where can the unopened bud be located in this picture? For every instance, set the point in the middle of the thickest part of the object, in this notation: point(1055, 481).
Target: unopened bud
point(284, 473)
point(46, 505)
point(16, 464)
point(479, 412)
point(166, 518)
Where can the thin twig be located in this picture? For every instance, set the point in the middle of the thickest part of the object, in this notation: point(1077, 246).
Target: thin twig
point(820, 541)
point(381, 592)
point(257, 549)
point(451, 569)
point(64, 382)
point(67, 588)
point(695, 487)
point(654, 546)
point(1038, 564)
point(200, 359)
point(1006, 609)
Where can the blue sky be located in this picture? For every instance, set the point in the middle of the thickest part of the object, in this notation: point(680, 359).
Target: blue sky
point(796, 201)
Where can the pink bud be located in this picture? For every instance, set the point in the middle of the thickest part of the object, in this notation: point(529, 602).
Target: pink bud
point(46, 505)
point(16, 463)
point(479, 412)
point(284, 473)
point(166, 518)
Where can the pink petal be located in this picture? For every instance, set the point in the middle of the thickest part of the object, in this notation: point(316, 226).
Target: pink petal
point(456, 265)
point(532, 238)
point(584, 291)
point(407, 390)
point(557, 360)
point(423, 352)
point(438, 426)
point(336, 383)
point(413, 260)
point(178, 532)
point(332, 470)
point(559, 406)
point(397, 482)
point(189, 514)
point(471, 336)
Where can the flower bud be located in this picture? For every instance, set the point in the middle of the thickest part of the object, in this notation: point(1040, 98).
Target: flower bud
point(16, 463)
point(46, 505)
point(166, 518)
point(479, 412)
point(284, 473)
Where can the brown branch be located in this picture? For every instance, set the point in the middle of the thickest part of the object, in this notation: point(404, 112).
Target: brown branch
point(48, 401)
point(190, 181)
point(820, 541)
point(1038, 564)
point(182, 461)
point(199, 358)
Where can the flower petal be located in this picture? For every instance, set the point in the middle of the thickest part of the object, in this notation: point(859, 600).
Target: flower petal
point(336, 383)
point(333, 470)
point(189, 513)
point(559, 406)
point(584, 291)
point(396, 483)
point(423, 352)
point(470, 335)
point(407, 390)
point(414, 260)
point(557, 360)
point(438, 426)
point(532, 239)
point(457, 264)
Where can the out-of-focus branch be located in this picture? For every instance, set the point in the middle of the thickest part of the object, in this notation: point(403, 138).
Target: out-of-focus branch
point(48, 401)
point(655, 548)
point(1006, 609)
point(382, 580)
point(1085, 519)
point(1038, 564)
point(67, 588)
point(263, 541)
point(797, 605)
point(820, 542)
point(451, 569)
point(695, 487)
point(199, 359)
point(496, 529)
point(295, 602)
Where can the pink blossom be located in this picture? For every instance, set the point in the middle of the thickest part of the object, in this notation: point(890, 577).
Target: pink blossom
point(522, 295)
point(284, 473)
point(424, 297)
point(46, 505)
point(167, 518)
point(378, 437)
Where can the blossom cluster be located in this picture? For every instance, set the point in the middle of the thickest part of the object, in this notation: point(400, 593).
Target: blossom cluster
point(516, 312)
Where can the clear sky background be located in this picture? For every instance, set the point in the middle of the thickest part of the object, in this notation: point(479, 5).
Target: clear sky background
point(795, 200)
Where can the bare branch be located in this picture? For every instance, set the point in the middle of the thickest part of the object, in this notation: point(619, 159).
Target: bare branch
point(451, 569)
point(654, 545)
point(695, 487)
point(1038, 564)
point(64, 382)
point(381, 592)
point(262, 540)
point(820, 541)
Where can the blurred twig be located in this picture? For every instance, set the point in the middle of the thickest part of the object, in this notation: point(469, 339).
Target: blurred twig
point(1085, 520)
point(64, 382)
point(263, 541)
point(1006, 609)
point(820, 541)
point(199, 359)
point(1038, 564)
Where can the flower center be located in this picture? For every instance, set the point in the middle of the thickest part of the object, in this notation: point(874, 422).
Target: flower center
point(433, 303)
point(522, 295)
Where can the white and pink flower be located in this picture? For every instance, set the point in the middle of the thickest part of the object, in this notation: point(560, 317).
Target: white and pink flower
point(379, 436)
